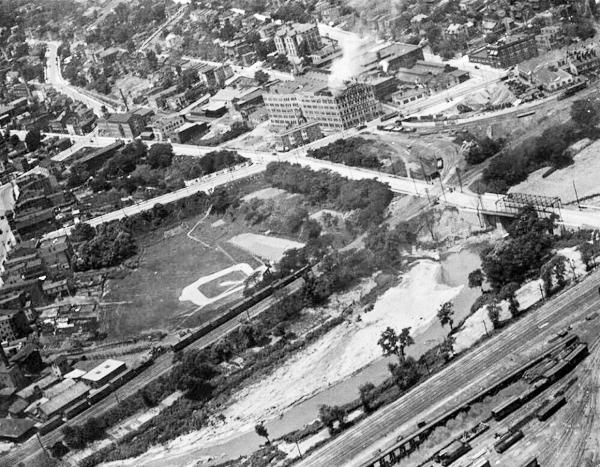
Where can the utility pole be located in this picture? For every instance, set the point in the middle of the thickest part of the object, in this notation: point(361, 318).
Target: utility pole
point(576, 195)
point(298, 446)
point(427, 193)
point(459, 179)
point(485, 327)
point(443, 191)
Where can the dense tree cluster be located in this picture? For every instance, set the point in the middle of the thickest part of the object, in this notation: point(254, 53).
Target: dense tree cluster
point(125, 21)
point(368, 198)
point(513, 165)
point(521, 255)
point(77, 436)
point(351, 151)
point(110, 246)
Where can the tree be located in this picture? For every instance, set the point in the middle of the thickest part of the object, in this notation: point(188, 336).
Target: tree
point(330, 415)
point(494, 314)
point(261, 77)
point(73, 437)
point(585, 112)
point(405, 374)
point(447, 347)
point(389, 342)
point(367, 396)
point(261, 430)
point(160, 155)
point(405, 340)
point(476, 279)
point(33, 139)
point(446, 314)
point(82, 232)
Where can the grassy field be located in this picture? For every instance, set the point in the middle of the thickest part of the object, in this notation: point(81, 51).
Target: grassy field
point(148, 298)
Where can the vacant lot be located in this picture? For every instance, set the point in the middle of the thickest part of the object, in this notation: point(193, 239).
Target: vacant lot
point(148, 298)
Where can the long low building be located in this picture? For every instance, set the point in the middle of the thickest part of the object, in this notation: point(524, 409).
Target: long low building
point(101, 374)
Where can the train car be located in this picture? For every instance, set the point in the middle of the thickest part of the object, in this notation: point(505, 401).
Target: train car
point(577, 354)
point(455, 450)
point(98, 394)
point(506, 408)
point(531, 462)
point(505, 443)
point(526, 114)
point(557, 371)
point(122, 378)
point(533, 390)
point(389, 116)
point(76, 409)
point(239, 308)
point(481, 463)
point(547, 411)
point(50, 425)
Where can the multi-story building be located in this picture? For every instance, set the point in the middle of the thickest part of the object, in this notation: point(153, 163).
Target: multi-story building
point(164, 126)
point(309, 99)
point(549, 37)
point(506, 52)
point(298, 40)
point(122, 125)
point(214, 76)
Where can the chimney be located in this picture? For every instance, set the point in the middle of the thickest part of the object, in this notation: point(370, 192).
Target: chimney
point(3, 357)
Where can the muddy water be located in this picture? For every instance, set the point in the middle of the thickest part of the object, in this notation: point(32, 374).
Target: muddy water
point(455, 269)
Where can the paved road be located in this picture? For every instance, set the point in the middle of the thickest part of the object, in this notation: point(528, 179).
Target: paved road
point(206, 185)
point(54, 77)
point(30, 451)
point(170, 21)
point(461, 380)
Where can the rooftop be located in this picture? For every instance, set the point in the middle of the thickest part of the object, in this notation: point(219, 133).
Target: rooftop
point(103, 370)
point(14, 428)
point(64, 399)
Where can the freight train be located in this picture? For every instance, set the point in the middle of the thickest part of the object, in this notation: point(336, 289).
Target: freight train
point(238, 309)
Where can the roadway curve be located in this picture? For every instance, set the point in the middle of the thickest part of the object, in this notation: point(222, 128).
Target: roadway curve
point(461, 380)
point(54, 77)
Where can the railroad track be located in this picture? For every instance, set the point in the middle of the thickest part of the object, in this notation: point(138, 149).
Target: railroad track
point(459, 381)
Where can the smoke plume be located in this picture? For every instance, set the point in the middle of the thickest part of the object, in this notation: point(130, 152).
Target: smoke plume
point(348, 66)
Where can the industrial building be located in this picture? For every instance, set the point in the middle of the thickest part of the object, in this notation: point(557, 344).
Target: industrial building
point(309, 99)
point(101, 374)
point(506, 52)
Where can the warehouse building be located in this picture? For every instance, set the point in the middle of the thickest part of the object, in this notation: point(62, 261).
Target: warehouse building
point(101, 374)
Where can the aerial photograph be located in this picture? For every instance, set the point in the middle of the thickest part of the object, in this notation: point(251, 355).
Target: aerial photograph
point(312, 233)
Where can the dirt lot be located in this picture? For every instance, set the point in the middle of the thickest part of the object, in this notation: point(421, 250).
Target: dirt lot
point(150, 294)
point(413, 149)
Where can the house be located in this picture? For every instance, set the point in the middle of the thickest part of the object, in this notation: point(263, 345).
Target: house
point(28, 359)
point(56, 254)
point(457, 31)
point(549, 37)
point(60, 366)
point(583, 61)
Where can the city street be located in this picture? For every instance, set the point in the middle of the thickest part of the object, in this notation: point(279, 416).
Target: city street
point(54, 77)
